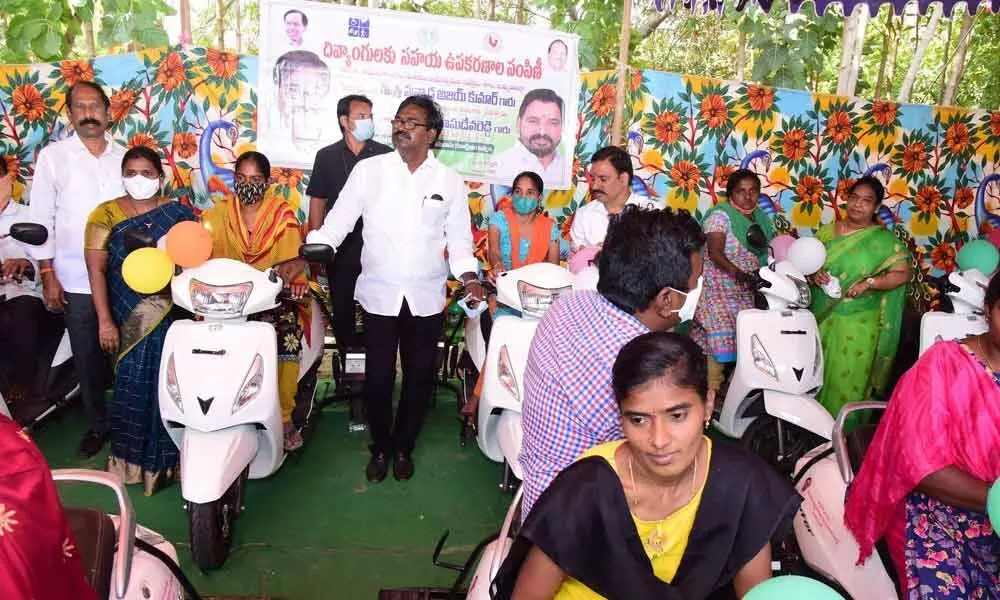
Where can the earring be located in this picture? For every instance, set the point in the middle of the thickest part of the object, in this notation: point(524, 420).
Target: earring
point(708, 423)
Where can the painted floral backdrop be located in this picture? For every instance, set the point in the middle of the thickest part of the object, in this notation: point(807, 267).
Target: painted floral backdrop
point(941, 166)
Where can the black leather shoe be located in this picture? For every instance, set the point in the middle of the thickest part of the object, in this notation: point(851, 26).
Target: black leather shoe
point(91, 443)
point(402, 467)
point(377, 468)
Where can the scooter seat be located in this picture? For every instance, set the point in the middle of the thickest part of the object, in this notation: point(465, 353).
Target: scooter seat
point(857, 444)
point(94, 534)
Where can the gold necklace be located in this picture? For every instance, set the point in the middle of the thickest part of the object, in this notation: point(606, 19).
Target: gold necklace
point(656, 541)
point(986, 357)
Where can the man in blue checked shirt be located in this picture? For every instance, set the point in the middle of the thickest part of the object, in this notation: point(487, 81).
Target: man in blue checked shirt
point(650, 280)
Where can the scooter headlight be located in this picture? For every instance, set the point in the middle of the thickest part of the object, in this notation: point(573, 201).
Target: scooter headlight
point(760, 358)
point(219, 300)
point(536, 300)
point(505, 372)
point(252, 384)
point(173, 388)
point(805, 294)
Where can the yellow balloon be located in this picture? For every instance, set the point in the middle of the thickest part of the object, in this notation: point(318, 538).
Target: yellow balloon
point(147, 270)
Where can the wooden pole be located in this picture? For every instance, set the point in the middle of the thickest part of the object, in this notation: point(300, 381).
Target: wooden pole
point(616, 122)
point(185, 10)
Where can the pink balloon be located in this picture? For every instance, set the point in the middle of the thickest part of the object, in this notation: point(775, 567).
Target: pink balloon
point(780, 246)
point(994, 238)
point(582, 258)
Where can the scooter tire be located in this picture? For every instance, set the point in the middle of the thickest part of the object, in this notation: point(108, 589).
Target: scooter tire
point(211, 534)
point(211, 526)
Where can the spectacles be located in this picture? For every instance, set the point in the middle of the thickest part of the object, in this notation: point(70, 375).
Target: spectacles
point(406, 124)
point(251, 179)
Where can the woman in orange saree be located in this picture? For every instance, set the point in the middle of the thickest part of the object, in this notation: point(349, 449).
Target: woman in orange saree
point(258, 227)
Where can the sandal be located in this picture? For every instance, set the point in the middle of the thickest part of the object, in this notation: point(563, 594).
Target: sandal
point(293, 438)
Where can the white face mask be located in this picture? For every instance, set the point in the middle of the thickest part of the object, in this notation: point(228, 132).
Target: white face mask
point(141, 187)
point(686, 311)
point(364, 129)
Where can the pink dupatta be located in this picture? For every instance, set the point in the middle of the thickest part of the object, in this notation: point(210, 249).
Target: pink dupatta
point(944, 412)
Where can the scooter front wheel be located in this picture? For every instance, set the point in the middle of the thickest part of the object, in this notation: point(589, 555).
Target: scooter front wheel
point(781, 452)
point(211, 526)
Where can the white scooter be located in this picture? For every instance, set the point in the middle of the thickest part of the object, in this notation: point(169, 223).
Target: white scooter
point(531, 290)
point(771, 401)
point(57, 383)
point(966, 291)
point(826, 546)
point(122, 560)
point(218, 391)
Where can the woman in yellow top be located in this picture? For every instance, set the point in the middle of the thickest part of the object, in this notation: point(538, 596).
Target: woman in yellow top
point(661, 514)
point(261, 229)
point(132, 326)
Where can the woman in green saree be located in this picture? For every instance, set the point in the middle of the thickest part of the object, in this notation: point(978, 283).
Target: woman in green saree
point(860, 330)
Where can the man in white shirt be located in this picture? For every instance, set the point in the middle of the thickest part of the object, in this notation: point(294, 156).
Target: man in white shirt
point(24, 322)
point(539, 132)
point(610, 191)
point(72, 177)
point(415, 211)
point(296, 22)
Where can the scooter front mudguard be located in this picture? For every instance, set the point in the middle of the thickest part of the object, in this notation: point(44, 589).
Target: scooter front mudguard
point(802, 411)
point(211, 461)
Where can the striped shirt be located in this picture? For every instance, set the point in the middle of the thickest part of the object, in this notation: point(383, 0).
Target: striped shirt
point(569, 405)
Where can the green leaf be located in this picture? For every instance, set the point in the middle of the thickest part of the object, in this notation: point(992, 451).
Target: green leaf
point(48, 46)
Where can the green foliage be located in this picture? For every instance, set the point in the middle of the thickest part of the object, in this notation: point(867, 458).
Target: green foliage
point(792, 50)
point(48, 30)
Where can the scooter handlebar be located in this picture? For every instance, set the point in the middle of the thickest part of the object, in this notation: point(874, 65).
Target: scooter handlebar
point(943, 284)
point(840, 441)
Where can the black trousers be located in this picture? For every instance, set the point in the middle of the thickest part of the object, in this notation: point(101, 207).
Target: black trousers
point(88, 358)
point(342, 275)
point(416, 338)
point(27, 330)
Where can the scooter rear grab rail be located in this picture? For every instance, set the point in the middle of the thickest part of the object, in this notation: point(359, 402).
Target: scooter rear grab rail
point(126, 526)
point(840, 442)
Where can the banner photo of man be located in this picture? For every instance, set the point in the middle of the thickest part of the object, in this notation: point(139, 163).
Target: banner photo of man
point(508, 92)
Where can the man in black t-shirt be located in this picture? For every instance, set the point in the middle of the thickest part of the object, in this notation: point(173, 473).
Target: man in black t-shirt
point(333, 164)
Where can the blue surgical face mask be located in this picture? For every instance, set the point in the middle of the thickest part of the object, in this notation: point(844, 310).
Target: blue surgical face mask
point(524, 205)
point(364, 129)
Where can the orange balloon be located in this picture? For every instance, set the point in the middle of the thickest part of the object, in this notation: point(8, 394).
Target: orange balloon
point(189, 244)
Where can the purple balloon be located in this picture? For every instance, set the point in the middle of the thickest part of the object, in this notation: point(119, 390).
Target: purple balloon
point(780, 246)
point(582, 258)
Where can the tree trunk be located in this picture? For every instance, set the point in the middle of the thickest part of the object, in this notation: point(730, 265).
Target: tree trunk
point(477, 12)
point(918, 56)
point(944, 69)
point(185, 11)
point(886, 41)
point(859, 45)
point(88, 36)
point(239, 26)
point(623, 52)
point(741, 57)
point(847, 46)
point(891, 68)
point(221, 24)
point(958, 64)
point(493, 10)
point(519, 13)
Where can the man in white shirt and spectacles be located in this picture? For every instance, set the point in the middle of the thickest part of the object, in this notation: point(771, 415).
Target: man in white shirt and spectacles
point(72, 177)
point(417, 226)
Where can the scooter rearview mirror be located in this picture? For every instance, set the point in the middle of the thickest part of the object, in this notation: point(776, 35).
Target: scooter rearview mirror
point(316, 253)
point(138, 237)
point(756, 238)
point(32, 234)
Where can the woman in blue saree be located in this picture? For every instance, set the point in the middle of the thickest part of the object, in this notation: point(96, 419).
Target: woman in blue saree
point(132, 326)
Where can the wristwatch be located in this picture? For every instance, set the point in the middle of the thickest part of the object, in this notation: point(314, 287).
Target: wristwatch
point(871, 282)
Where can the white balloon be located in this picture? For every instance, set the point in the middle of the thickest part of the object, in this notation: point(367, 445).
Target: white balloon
point(807, 254)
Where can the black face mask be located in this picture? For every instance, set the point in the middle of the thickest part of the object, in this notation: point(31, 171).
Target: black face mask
point(250, 192)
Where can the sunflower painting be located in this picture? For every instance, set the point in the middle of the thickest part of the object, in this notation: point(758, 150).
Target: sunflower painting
point(686, 135)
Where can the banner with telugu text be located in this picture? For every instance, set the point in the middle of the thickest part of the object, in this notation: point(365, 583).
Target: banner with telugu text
point(508, 93)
